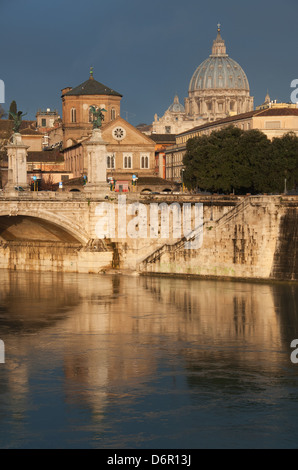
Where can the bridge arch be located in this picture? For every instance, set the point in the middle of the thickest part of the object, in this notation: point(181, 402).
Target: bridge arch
point(27, 220)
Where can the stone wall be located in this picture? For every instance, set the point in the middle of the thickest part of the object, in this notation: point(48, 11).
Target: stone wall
point(252, 237)
point(57, 257)
point(255, 240)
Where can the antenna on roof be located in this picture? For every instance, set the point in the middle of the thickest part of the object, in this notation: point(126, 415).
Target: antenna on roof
point(128, 113)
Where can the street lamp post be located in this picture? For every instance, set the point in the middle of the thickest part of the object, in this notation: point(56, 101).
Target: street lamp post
point(182, 178)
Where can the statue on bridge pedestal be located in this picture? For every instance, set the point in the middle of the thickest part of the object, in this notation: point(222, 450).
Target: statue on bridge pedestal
point(98, 116)
point(17, 158)
point(17, 118)
point(95, 150)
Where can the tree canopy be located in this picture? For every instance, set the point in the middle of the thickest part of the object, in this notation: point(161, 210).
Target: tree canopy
point(242, 161)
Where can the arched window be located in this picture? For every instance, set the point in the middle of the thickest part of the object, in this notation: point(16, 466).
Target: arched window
point(73, 115)
point(113, 114)
point(127, 161)
point(144, 161)
point(111, 161)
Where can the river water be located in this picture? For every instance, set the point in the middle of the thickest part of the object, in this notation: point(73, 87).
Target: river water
point(124, 362)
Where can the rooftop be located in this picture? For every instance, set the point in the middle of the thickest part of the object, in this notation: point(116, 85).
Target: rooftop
point(163, 138)
point(48, 156)
point(250, 114)
point(91, 87)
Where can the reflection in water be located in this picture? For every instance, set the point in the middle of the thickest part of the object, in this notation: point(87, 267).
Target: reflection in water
point(146, 362)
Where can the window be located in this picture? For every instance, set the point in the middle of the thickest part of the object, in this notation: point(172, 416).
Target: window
point(43, 122)
point(144, 161)
point(111, 161)
point(73, 115)
point(168, 129)
point(127, 160)
point(272, 125)
point(113, 114)
point(64, 177)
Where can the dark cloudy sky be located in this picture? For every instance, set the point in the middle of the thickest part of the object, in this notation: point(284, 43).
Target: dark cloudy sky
point(145, 50)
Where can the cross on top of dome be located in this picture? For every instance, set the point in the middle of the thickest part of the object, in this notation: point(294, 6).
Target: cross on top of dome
point(219, 46)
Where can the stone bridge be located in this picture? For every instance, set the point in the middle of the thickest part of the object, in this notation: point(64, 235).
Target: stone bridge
point(57, 231)
point(51, 231)
point(244, 237)
point(46, 216)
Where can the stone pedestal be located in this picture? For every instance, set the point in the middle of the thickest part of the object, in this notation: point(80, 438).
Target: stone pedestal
point(17, 164)
point(95, 155)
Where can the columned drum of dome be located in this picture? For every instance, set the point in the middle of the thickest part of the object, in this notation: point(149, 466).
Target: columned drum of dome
point(219, 87)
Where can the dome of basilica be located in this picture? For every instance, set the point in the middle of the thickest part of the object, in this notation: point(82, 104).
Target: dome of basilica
point(219, 71)
point(218, 87)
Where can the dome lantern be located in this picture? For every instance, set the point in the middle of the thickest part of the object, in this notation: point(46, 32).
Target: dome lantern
point(219, 46)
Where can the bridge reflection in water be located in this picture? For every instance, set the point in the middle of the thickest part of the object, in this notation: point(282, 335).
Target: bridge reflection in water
point(146, 362)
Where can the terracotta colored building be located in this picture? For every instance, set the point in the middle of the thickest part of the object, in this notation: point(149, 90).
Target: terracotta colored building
point(162, 141)
point(47, 166)
point(129, 152)
point(76, 102)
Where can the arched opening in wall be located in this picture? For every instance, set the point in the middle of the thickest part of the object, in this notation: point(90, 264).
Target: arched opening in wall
point(73, 115)
point(146, 191)
point(74, 190)
point(167, 190)
point(23, 228)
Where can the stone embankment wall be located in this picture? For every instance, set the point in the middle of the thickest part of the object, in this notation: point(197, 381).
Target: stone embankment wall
point(252, 237)
point(56, 257)
point(257, 239)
